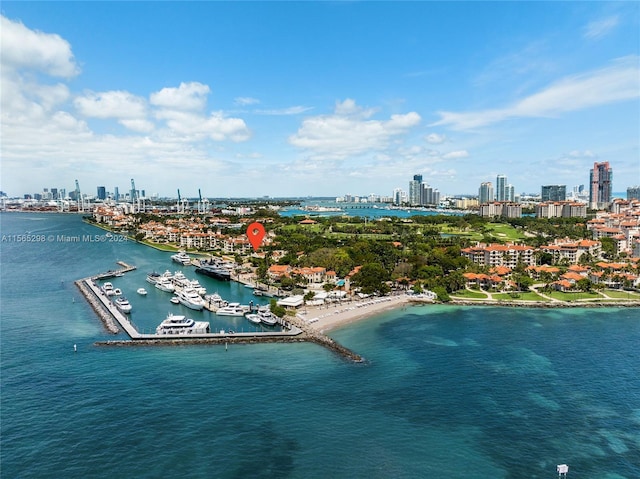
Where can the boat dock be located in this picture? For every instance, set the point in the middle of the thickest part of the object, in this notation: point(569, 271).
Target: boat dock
point(114, 320)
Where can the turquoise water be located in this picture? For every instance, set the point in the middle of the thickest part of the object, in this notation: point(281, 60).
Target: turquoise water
point(446, 392)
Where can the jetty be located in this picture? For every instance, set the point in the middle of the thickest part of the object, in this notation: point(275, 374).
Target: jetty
point(294, 329)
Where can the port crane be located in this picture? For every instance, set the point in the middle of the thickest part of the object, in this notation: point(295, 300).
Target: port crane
point(183, 203)
point(79, 197)
point(203, 205)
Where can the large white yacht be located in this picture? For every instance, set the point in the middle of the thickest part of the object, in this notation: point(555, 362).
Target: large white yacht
point(190, 298)
point(232, 309)
point(163, 284)
point(178, 324)
point(123, 304)
point(181, 257)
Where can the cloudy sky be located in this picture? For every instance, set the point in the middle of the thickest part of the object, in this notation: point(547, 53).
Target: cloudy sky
point(317, 98)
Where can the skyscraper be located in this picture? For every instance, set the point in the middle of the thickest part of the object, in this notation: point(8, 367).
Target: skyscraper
point(501, 188)
point(553, 193)
point(102, 193)
point(600, 184)
point(485, 193)
point(414, 190)
point(633, 193)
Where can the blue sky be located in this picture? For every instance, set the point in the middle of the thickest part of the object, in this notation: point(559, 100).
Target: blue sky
point(317, 98)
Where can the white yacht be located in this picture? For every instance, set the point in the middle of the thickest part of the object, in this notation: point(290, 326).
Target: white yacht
point(268, 318)
point(178, 324)
point(253, 317)
point(163, 284)
point(181, 257)
point(141, 291)
point(123, 304)
point(232, 309)
point(191, 299)
point(195, 284)
point(107, 288)
point(153, 277)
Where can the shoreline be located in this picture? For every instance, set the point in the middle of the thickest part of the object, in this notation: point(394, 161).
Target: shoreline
point(331, 317)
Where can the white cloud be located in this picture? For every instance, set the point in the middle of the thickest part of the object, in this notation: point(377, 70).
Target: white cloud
point(23, 48)
point(435, 138)
point(456, 155)
point(188, 96)
point(111, 104)
point(349, 131)
point(245, 100)
point(193, 127)
point(614, 83)
point(600, 28)
point(292, 110)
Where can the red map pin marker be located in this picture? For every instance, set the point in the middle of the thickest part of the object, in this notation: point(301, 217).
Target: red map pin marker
point(255, 233)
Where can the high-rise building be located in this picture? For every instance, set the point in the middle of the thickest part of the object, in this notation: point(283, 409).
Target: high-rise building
point(415, 187)
point(54, 193)
point(553, 193)
point(116, 194)
point(429, 195)
point(633, 193)
point(501, 188)
point(485, 193)
point(102, 193)
point(600, 184)
point(510, 193)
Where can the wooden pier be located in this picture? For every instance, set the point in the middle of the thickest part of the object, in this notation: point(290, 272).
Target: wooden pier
point(114, 319)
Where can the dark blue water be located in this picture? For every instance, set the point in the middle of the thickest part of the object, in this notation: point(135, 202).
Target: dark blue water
point(446, 392)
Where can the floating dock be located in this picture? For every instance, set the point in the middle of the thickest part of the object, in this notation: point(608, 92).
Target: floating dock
point(115, 320)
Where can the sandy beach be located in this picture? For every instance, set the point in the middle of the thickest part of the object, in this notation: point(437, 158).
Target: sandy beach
point(327, 317)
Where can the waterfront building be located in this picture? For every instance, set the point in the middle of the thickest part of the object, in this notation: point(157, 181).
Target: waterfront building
point(571, 250)
point(485, 194)
point(553, 193)
point(600, 184)
point(414, 190)
point(428, 195)
point(509, 255)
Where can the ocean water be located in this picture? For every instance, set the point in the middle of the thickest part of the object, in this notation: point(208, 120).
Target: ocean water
point(445, 392)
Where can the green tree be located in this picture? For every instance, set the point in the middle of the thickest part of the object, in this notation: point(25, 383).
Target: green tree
point(371, 279)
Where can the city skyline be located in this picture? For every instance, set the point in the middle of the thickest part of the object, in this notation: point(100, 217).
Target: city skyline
point(310, 99)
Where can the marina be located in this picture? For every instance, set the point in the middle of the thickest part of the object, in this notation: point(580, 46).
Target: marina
point(115, 319)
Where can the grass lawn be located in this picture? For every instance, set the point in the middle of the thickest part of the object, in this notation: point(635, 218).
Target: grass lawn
point(573, 296)
point(505, 232)
point(465, 293)
point(524, 296)
point(617, 294)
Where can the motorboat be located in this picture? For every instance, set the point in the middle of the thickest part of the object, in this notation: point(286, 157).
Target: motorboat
point(253, 317)
point(179, 324)
point(163, 284)
point(191, 299)
point(195, 284)
point(141, 291)
point(182, 258)
point(268, 318)
point(107, 288)
point(153, 277)
point(123, 304)
point(117, 292)
point(232, 309)
point(175, 300)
